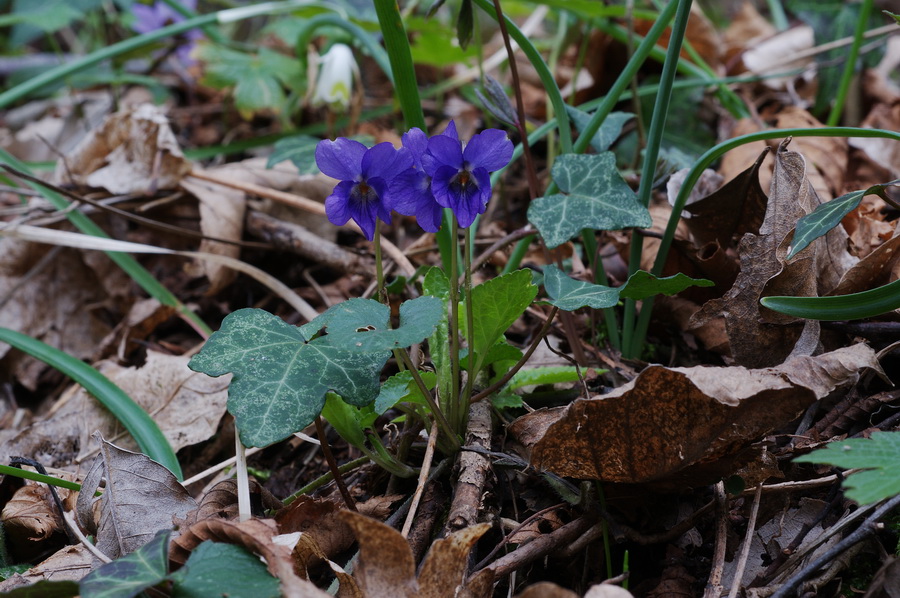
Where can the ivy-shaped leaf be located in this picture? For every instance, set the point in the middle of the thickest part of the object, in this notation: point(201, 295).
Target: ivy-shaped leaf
point(219, 569)
point(828, 215)
point(361, 324)
point(133, 573)
point(594, 196)
point(608, 132)
point(569, 294)
point(878, 455)
point(641, 285)
point(280, 380)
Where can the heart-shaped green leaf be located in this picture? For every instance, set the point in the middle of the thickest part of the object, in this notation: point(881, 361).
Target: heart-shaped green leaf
point(280, 380)
point(594, 196)
point(496, 304)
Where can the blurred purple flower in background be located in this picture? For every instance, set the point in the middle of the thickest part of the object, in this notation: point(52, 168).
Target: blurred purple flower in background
point(150, 17)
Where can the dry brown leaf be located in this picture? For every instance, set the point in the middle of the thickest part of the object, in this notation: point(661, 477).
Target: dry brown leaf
point(668, 424)
point(745, 29)
point(866, 225)
point(772, 55)
point(221, 502)
point(826, 157)
point(445, 565)
point(140, 498)
point(736, 208)
point(31, 515)
point(133, 151)
point(256, 535)
point(319, 519)
point(386, 566)
point(884, 152)
point(759, 337)
point(46, 293)
point(186, 405)
point(67, 564)
point(307, 553)
point(872, 271)
point(222, 212)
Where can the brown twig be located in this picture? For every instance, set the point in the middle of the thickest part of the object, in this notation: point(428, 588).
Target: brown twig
point(333, 466)
point(534, 186)
point(745, 547)
point(423, 477)
point(500, 244)
point(714, 585)
point(538, 548)
point(473, 470)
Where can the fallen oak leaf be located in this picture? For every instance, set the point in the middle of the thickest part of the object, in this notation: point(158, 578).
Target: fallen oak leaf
point(673, 426)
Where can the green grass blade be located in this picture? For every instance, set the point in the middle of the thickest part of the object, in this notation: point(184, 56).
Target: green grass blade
point(651, 153)
point(139, 424)
point(397, 45)
point(38, 477)
point(847, 76)
point(855, 306)
point(543, 71)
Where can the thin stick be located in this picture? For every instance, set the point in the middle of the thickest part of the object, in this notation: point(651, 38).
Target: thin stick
point(714, 585)
point(423, 479)
point(243, 482)
point(76, 531)
point(745, 548)
point(333, 466)
point(216, 468)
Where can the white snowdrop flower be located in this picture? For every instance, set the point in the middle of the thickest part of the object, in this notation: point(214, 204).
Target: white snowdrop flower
point(335, 84)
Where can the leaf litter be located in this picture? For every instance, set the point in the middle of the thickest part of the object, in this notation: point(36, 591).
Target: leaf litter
point(666, 434)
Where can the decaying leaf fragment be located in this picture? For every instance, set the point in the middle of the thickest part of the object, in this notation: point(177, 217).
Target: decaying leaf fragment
point(678, 425)
point(133, 151)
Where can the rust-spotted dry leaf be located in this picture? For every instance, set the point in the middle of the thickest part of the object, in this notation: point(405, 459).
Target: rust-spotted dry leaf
point(480, 585)
point(386, 566)
point(256, 535)
point(307, 552)
point(317, 517)
point(140, 498)
point(445, 566)
point(31, 515)
point(757, 336)
point(667, 425)
point(133, 151)
point(545, 589)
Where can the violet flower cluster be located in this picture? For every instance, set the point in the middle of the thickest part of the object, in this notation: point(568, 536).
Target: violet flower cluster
point(419, 179)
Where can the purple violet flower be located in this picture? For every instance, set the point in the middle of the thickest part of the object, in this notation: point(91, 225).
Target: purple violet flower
point(411, 190)
point(460, 177)
point(366, 175)
point(150, 17)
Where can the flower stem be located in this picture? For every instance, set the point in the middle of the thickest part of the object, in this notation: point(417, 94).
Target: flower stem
point(470, 320)
point(439, 417)
point(333, 466)
point(455, 408)
point(380, 291)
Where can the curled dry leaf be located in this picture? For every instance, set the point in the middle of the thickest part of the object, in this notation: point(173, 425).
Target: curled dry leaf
point(545, 589)
point(29, 518)
point(140, 498)
point(757, 336)
point(133, 151)
point(256, 535)
point(386, 566)
point(676, 426)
